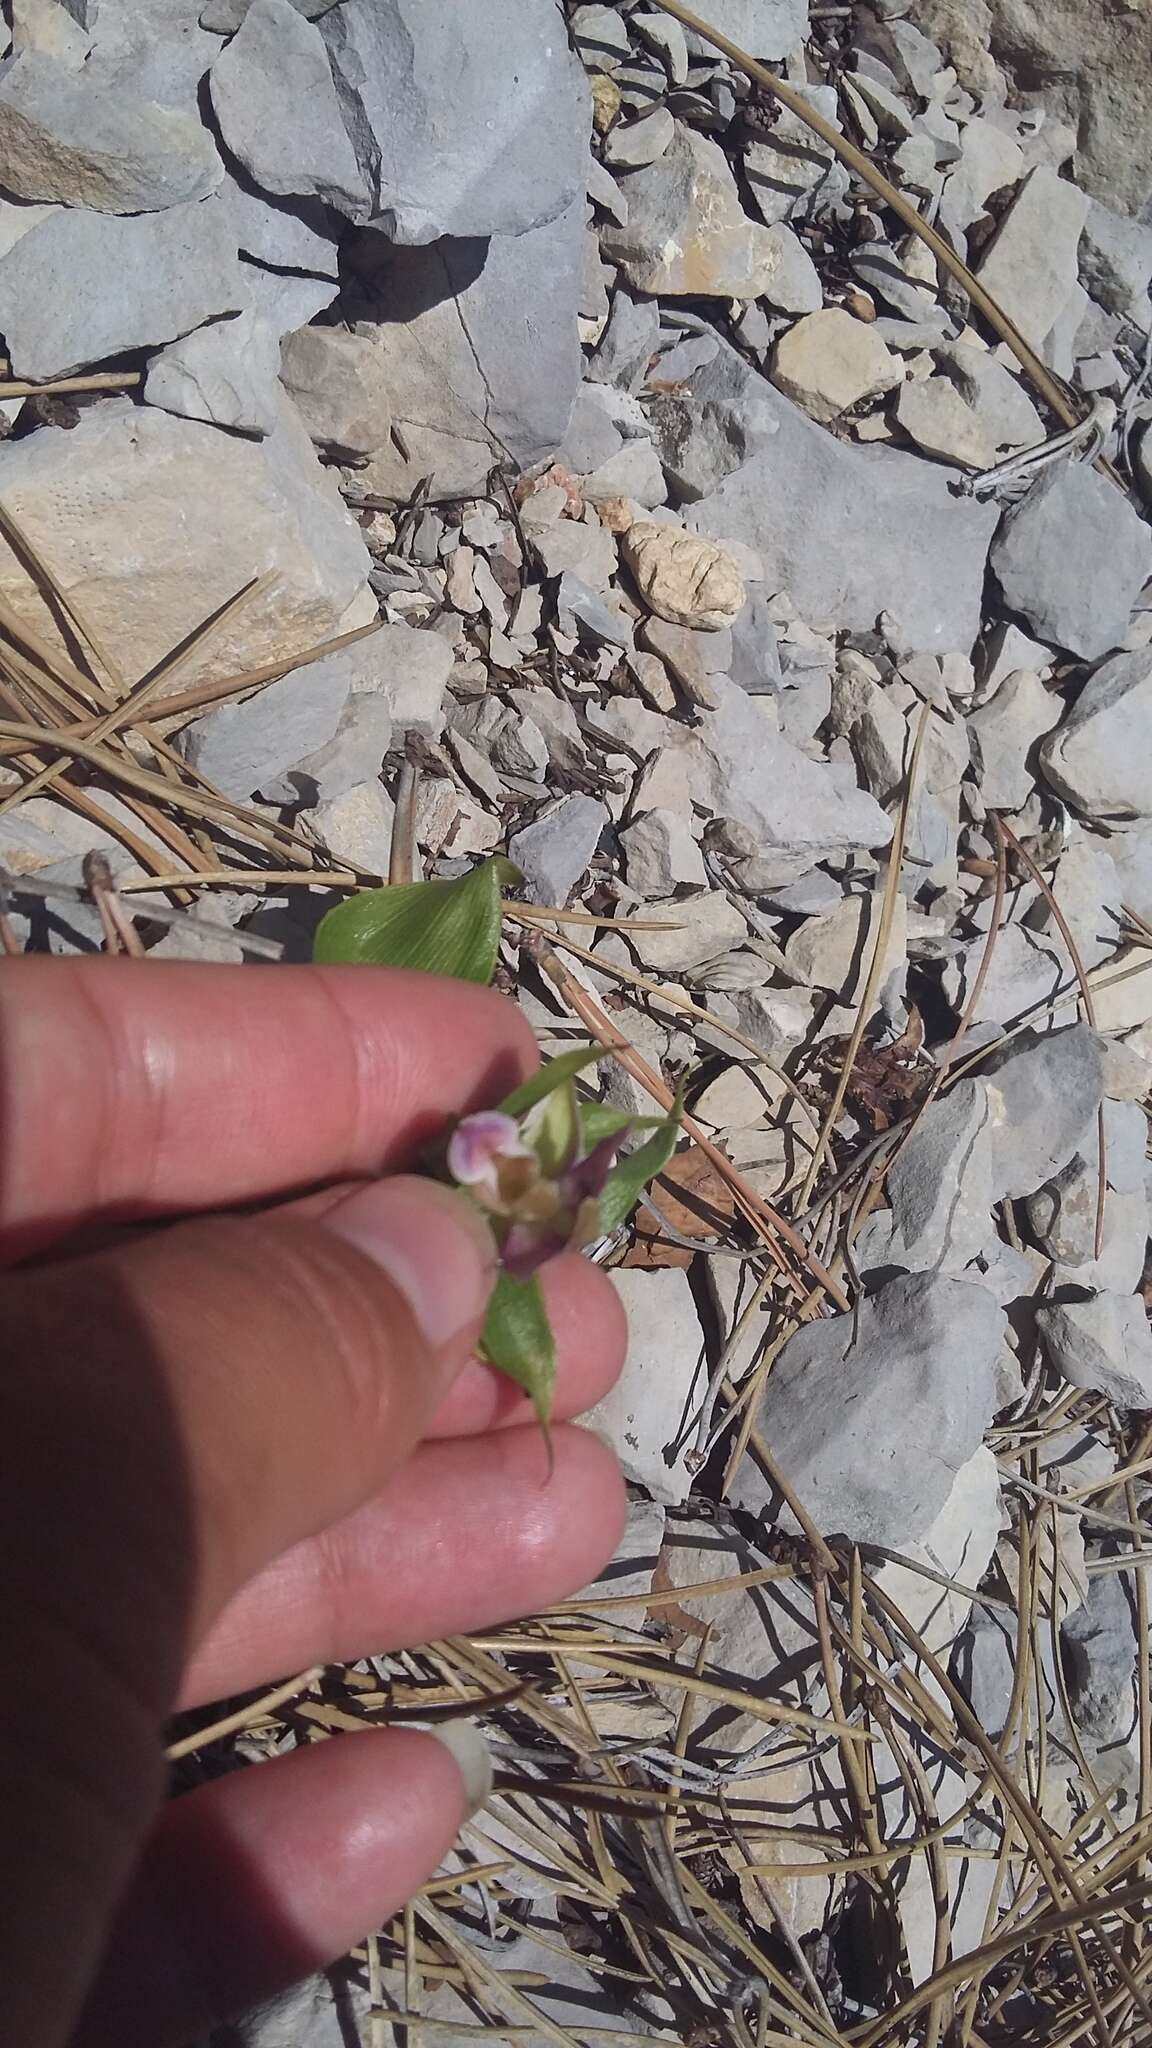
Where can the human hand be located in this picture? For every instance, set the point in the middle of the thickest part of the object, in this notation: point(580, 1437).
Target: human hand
point(240, 1445)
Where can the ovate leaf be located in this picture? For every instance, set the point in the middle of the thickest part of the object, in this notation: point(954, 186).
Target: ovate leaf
point(441, 927)
point(631, 1174)
point(517, 1339)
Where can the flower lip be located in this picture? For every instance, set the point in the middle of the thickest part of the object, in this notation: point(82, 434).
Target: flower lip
point(479, 1143)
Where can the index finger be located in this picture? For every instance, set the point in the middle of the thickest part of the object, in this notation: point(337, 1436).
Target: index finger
point(132, 1090)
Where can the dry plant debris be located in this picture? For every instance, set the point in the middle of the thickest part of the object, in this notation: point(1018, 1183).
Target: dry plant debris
point(716, 473)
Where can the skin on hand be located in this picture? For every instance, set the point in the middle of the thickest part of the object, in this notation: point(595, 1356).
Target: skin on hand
point(239, 1444)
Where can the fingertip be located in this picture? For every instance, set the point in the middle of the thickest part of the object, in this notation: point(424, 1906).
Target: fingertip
point(591, 1332)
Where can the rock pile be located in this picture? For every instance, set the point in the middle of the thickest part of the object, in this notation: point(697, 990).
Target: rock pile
point(688, 492)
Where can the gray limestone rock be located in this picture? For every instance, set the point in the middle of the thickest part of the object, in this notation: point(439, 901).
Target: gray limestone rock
point(661, 854)
point(687, 233)
point(466, 121)
point(356, 827)
point(355, 751)
point(273, 95)
point(812, 506)
point(1116, 261)
point(64, 137)
point(1004, 733)
point(765, 28)
point(580, 609)
point(225, 372)
point(941, 1187)
point(225, 16)
point(871, 1433)
point(1103, 1343)
point(699, 929)
point(479, 352)
point(628, 343)
point(744, 769)
point(83, 286)
point(1098, 1646)
point(1062, 1215)
point(555, 850)
point(1072, 559)
point(792, 169)
point(1031, 266)
point(408, 666)
point(1051, 1085)
point(1101, 757)
point(339, 383)
point(241, 748)
point(285, 233)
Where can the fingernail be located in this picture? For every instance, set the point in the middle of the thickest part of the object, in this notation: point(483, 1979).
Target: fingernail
point(433, 1245)
point(472, 1757)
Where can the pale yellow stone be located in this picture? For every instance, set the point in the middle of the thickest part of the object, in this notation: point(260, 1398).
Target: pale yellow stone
point(682, 578)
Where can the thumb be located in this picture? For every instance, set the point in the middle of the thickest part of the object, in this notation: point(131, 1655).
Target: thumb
point(176, 1411)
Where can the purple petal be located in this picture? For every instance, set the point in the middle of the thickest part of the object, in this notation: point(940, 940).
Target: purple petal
point(479, 1142)
point(589, 1176)
point(529, 1246)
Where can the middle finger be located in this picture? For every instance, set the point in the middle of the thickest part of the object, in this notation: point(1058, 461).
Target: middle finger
point(470, 1532)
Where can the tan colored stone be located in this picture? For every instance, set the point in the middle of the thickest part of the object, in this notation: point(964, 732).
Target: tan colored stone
point(830, 362)
point(683, 578)
point(151, 523)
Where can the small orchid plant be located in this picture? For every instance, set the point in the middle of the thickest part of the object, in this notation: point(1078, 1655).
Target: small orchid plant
point(551, 1171)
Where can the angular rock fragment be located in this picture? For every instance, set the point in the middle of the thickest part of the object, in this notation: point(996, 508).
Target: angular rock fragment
point(687, 233)
point(479, 353)
point(64, 137)
point(83, 286)
point(1051, 1084)
point(871, 1433)
point(225, 372)
point(644, 1416)
point(1099, 758)
point(242, 748)
point(1031, 267)
point(555, 850)
point(829, 363)
point(1005, 731)
point(466, 121)
point(107, 505)
point(339, 383)
point(1072, 558)
point(812, 506)
point(744, 769)
point(661, 854)
point(273, 95)
point(1103, 1343)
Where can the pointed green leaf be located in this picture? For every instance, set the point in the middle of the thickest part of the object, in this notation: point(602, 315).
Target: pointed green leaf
point(631, 1174)
point(518, 1340)
point(548, 1077)
point(601, 1120)
point(553, 1130)
point(441, 927)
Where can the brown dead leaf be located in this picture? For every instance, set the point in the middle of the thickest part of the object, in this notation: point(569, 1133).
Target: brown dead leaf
point(696, 1202)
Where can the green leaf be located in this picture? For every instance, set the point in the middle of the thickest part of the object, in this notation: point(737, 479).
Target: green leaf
point(631, 1174)
point(441, 927)
point(548, 1077)
point(517, 1339)
point(553, 1130)
point(601, 1120)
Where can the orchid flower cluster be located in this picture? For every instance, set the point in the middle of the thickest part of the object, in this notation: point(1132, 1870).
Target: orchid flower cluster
point(549, 1172)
